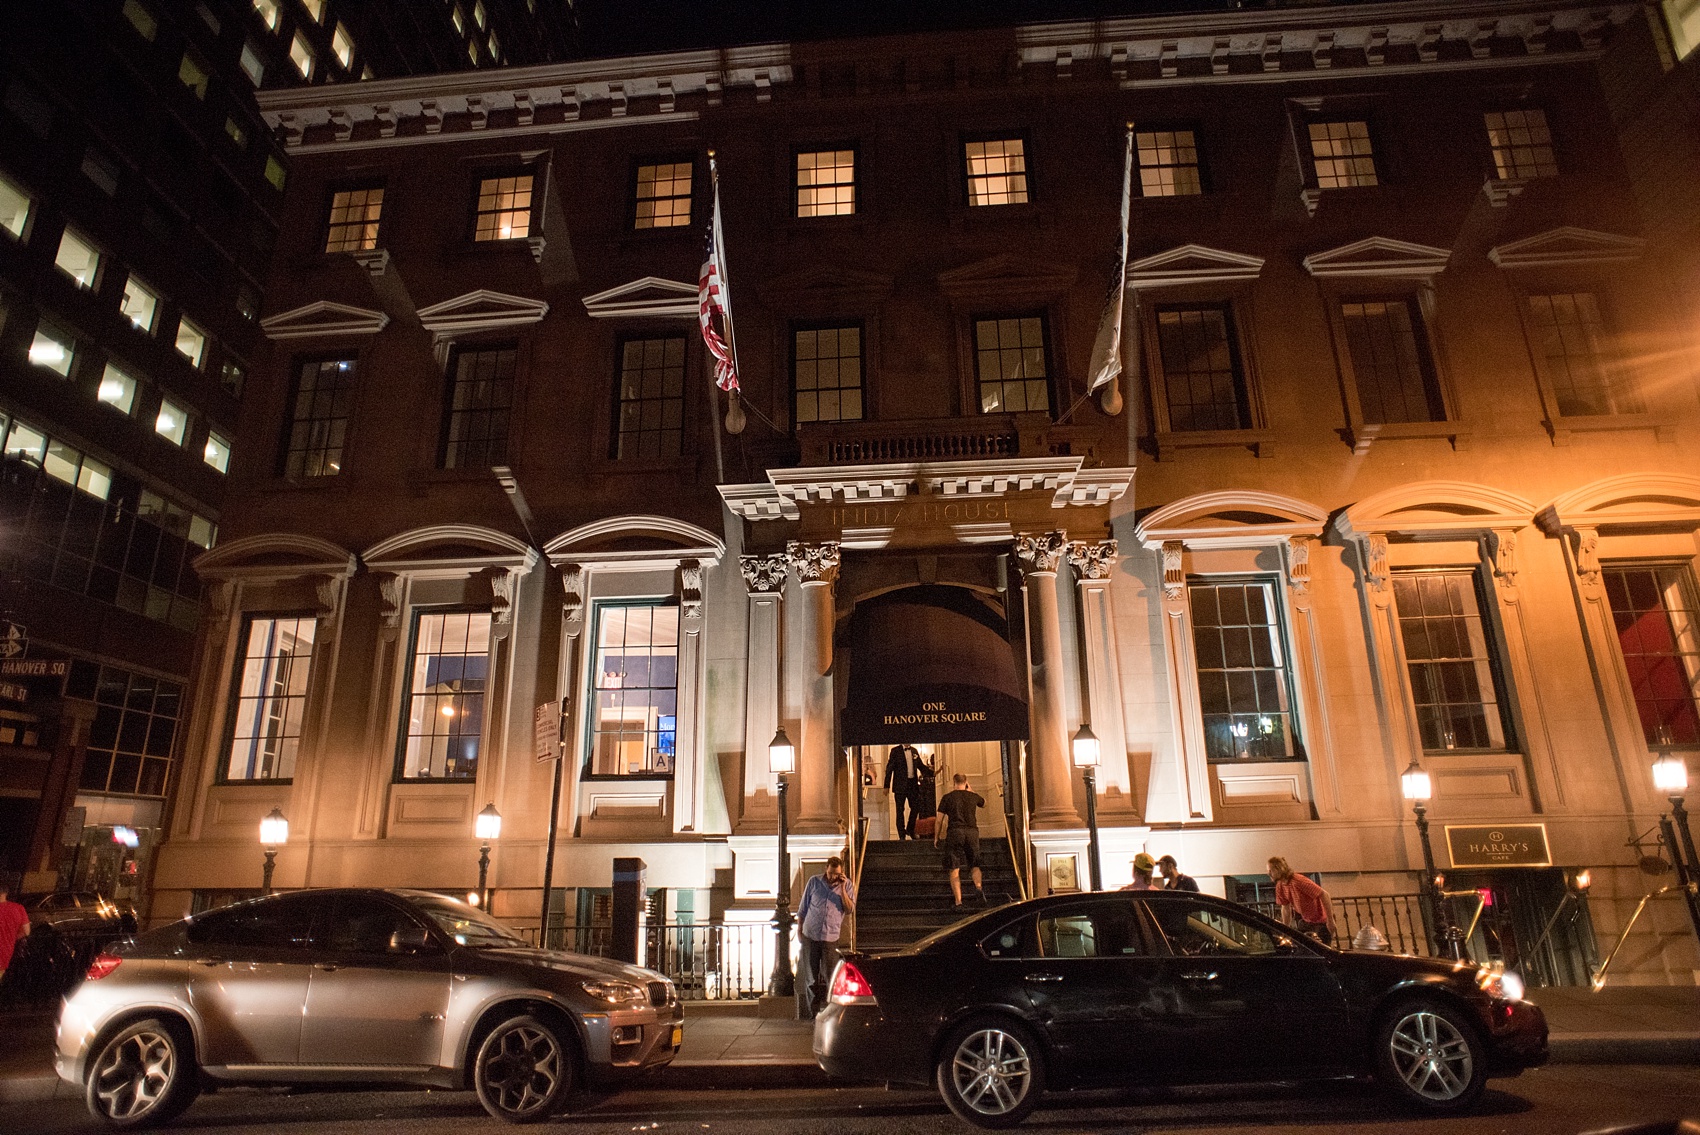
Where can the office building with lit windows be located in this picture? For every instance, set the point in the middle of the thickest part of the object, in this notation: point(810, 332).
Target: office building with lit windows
point(1397, 475)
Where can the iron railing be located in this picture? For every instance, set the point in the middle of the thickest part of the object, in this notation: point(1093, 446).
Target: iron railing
point(1398, 917)
point(707, 961)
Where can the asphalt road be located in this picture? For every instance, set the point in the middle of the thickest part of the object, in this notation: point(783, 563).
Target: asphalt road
point(1551, 1101)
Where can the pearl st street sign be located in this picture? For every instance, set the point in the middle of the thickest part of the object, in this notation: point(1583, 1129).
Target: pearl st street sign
point(1499, 845)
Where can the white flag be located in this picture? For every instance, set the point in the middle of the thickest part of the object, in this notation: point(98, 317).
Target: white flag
point(1106, 363)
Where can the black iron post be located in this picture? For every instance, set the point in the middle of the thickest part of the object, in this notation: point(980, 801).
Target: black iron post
point(1095, 871)
point(1687, 863)
point(271, 861)
point(784, 981)
point(1430, 894)
point(483, 875)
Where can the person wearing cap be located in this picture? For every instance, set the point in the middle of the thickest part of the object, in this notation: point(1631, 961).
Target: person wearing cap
point(1173, 880)
point(1143, 866)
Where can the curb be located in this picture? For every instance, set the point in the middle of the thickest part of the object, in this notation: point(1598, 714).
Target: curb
point(1625, 1048)
point(708, 1075)
point(34, 1088)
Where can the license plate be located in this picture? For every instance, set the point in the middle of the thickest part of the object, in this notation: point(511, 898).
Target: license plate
point(678, 1035)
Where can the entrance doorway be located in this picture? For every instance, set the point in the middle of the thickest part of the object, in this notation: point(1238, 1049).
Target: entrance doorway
point(1531, 921)
point(982, 762)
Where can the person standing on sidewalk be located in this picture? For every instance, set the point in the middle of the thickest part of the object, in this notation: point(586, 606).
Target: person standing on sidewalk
point(1304, 903)
point(959, 831)
point(820, 916)
point(1173, 880)
point(1143, 866)
point(14, 925)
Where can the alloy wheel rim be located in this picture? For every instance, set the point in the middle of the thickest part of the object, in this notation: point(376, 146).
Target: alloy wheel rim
point(134, 1074)
point(521, 1070)
point(1431, 1056)
point(992, 1071)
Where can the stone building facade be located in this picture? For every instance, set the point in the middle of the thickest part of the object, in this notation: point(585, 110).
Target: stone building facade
point(1402, 472)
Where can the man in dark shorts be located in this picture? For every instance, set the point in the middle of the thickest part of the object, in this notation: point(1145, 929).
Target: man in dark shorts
point(959, 831)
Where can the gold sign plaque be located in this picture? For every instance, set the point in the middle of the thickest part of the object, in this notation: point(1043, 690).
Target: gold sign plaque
point(1499, 845)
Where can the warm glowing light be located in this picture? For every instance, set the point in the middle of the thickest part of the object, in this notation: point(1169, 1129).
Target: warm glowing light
point(1670, 774)
point(46, 353)
point(1584, 879)
point(274, 829)
point(1085, 747)
point(1415, 784)
point(447, 711)
point(488, 825)
point(472, 898)
point(781, 754)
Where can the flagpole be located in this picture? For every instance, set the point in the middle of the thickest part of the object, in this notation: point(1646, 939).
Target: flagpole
point(734, 411)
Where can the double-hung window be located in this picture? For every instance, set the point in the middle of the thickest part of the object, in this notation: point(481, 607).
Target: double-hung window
point(826, 368)
point(1011, 363)
point(1168, 163)
point(480, 402)
point(442, 714)
point(996, 170)
point(1571, 350)
point(662, 197)
point(1342, 154)
point(268, 697)
point(1450, 661)
point(1244, 687)
point(503, 208)
point(1391, 364)
point(1521, 143)
point(354, 218)
point(651, 416)
point(319, 404)
point(1657, 613)
point(826, 183)
point(635, 729)
point(1204, 383)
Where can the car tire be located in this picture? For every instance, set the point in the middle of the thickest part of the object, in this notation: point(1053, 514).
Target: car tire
point(142, 1075)
point(524, 1070)
point(1430, 1057)
point(991, 1072)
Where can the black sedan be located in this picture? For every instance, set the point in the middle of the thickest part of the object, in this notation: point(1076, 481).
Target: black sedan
point(1163, 988)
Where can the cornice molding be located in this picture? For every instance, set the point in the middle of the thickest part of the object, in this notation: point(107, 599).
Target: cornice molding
point(1379, 256)
point(1208, 520)
point(648, 298)
point(323, 317)
point(1567, 247)
point(1192, 264)
point(481, 310)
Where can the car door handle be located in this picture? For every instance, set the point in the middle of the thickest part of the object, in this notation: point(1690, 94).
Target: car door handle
point(1199, 975)
point(1044, 977)
point(327, 967)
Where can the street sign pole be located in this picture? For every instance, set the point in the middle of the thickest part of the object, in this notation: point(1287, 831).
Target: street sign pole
point(554, 821)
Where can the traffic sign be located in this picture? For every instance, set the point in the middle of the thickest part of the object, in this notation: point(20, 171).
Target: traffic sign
point(14, 640)
point(34, 667)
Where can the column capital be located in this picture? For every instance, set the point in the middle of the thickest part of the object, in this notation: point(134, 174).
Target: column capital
point(1298, 565)
point(763, 574)
point(1040, 552)
point(1377, 576)
point(1092, 561)
point(1174, 570)
point(814, 563)
point(690, 588)
point(572, 596)
point(1501, 548)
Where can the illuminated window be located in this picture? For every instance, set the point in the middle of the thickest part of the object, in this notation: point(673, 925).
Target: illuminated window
point(52, 348)
point(635, 729)
point(354, 219)
point(478, 14)
point(275, 173)
point(826, 183)
point(1657, 613)
point(1168, 163)
point(117, 389)
point(1449, 660)
point(268, 12)
point(663, 195)
point(320, 404)
point(458, 20)
point(997, 171)
point(77, 259)
point(504, 207)
point(1010, 359)
point(141, 19)
point(192, 73)
point(1682, 17)
point(14, 208)
point(1243, 689)
point(237, 134)
point(172, 422)
point(443, 712)
point(252, 65)
point(301, 54)
point(1342, 154)
point(217, 453)
point(1522, 144)
point(316, 9)
point(826, 368)
point(343, 44)
point(140, 304)
point(269, 698)
point(652, 398)
point(191, 342)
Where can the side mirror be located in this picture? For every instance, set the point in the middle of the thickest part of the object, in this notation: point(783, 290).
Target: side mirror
point(1285, 947)
point(412, 940)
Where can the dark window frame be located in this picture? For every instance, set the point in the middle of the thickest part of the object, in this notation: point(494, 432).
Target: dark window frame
point(1297, 750)
point(1486, 610)
point(416, 615)
point(798, 326)
point(966, 199)
point(855, 183)
point(1199, 165)
point(534, 221)
point(451, 383)
point(1245, 400)
point(328, 211)
point(592, 702)
point(684, 399)
point(694, 197)
point(290, 417)
point(1043, 315)
point(1426, 353)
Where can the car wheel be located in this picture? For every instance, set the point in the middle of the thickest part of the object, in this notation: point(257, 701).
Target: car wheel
point(1429, 1056)
point(143, 1075)
point(524, 1070)
point(991, 1073)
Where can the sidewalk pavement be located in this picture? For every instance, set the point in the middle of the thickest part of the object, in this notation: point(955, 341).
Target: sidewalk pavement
point(728, 1045)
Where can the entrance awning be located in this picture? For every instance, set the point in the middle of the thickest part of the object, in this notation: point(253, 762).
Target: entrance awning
point(931, 665)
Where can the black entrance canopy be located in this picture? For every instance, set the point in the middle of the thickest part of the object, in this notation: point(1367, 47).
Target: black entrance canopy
point(931, 664)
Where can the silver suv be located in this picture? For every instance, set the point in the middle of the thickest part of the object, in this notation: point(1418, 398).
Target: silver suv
point(366, 986)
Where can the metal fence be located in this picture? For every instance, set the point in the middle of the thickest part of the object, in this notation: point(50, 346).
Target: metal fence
point(1398, 917)
point(707, 961)
point(49, 964)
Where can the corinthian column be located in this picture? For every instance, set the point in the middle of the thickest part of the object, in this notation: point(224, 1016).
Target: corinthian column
point(1053, 790)
point(816, 566)
point(1093, 565)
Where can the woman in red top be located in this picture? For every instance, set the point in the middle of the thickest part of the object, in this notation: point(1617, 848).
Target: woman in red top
point(1304, 903)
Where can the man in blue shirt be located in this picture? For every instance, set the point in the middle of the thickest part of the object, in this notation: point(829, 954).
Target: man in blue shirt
point(826, 900)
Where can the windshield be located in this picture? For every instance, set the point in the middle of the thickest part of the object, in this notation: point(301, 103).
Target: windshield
point(467, 925)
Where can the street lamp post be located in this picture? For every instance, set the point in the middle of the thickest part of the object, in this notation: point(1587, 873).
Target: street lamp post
point(1086, 760)
point(274, 833)
point(1670, 776)
point(781, 760)
point(488, 826)
point(1417, 787)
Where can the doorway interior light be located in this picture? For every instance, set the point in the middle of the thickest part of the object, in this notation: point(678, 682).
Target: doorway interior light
point(1085, 747)
point(274, 829)
point(781, 753)
point(1415, 783)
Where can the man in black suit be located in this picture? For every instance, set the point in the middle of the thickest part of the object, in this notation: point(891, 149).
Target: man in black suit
point(903, 778)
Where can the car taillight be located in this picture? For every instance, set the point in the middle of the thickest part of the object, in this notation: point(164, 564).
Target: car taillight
point(849, 987)
point(102, 965)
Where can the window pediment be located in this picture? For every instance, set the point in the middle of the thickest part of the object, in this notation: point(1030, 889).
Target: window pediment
point(1566, 247)
point(647, 540)
point(1629, 501)
point(1435, 508)
point(1378, 256)
point(1192, 264)
point(650, 297)
point(452, 548)
point(1231, 519)
point(1007, 278)
point(480, 311)
point(323, 317)
point(275, 554)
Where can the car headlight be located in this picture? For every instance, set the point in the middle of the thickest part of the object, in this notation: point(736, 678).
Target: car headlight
point(617, 992)
point(1501, 984)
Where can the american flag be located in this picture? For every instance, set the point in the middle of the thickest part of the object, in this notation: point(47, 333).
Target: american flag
point(714, 295)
